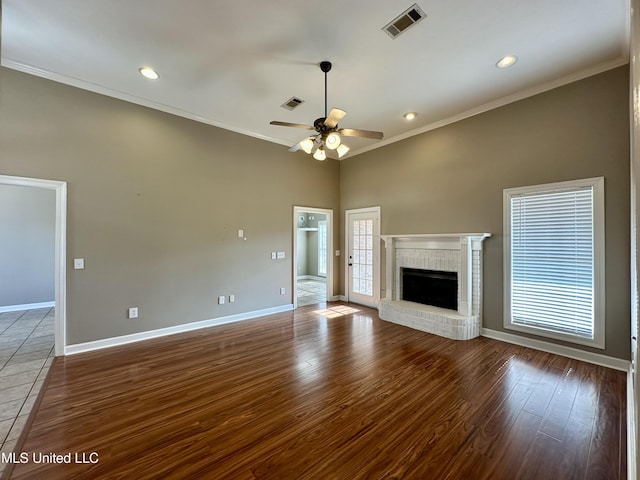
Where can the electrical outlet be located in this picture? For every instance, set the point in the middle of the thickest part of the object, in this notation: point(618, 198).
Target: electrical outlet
point(221, 300)
point(133, 312)
point(232, 298)
point(78, 263)
point(280, 255)
point(283, 291)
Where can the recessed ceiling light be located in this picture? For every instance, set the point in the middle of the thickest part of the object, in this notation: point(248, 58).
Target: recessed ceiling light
point(410, 115)
point(149, 73)
point(506, 61)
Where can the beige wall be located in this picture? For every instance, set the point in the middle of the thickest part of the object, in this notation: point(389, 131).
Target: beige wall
point(451, 179)
point(155, 201)
point(27, 240)
point(154, 205)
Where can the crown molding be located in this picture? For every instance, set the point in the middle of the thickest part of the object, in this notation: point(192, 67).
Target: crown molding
point(145, 102)
point(102, 90)
point(521, 95)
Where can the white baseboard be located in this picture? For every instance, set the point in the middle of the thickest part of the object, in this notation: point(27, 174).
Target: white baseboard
point(162, 332)
point(311, 277)
point(27, 306)
point(595, 358)
point(632, 428)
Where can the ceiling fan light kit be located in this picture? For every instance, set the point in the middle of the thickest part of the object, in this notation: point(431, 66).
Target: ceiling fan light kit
point(320, 154)
point(328, 135)
point(342, 150)
point(307, 145)
point(332, 141)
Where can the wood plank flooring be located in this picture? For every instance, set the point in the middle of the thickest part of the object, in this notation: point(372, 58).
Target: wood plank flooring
point(331, 394)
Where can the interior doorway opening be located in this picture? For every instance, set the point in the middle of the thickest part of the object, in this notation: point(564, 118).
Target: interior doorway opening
point(312, 265)
point(60, 189)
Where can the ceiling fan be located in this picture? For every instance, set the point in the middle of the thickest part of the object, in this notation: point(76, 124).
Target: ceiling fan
point(328, 134)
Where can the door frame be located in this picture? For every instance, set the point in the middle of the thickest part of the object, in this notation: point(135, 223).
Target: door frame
point(376, 252)
point(297, 210)
point(60, 188)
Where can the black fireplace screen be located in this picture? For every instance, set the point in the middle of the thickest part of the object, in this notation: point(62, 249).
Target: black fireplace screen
point(430, 287)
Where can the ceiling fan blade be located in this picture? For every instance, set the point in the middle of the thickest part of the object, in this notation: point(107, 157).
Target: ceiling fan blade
point(350, 132)
point(295, 147)
point(335, 115)
point(287, 124)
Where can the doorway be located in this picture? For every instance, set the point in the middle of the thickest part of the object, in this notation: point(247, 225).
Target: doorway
point(363, 256)
point(312, 247)
point(60, 189)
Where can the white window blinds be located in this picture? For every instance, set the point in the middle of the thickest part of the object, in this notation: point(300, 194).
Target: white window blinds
point(552, 256)
point(554, 260)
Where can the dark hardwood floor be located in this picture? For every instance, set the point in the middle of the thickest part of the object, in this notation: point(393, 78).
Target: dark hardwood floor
point(338, 394)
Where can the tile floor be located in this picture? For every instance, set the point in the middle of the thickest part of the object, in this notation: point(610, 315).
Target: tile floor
point(26, 352)
point(311, 292)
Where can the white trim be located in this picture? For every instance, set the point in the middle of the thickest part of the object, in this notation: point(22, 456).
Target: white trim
point(127, 97)
point(570, 352)
point(632, 425)
point(376, 252)
point(26, 306)
point(634, 123)
point(60, 250)
point(163, 332)
point(597, 183)
point(311, 277)
point(448, 238)
point(92, 87)
point(327, 252)
point(297, 210)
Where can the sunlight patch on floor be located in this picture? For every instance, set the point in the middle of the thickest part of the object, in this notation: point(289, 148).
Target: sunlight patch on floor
point(335, 312)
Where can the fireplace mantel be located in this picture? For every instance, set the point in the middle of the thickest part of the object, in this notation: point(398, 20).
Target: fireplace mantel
point(433, 240)
point(454, 252)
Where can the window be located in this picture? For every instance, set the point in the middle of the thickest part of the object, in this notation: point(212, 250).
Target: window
point(554, 260)
point(322, 248)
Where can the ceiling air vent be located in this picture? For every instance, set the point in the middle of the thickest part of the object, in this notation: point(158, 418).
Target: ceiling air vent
point(409, 17)
point(292, 103)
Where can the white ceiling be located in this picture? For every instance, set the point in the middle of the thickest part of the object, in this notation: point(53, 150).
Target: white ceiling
point(233, 63)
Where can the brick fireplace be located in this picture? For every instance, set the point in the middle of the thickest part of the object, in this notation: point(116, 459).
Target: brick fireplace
point(437, 256)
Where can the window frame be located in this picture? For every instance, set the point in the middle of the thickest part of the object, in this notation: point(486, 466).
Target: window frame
point(597, 184)
point(323, 252)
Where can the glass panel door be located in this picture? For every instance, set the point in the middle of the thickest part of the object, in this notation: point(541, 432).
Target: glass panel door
point(363, 250)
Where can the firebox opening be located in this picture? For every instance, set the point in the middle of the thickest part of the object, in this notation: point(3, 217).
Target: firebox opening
point(430, 287)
